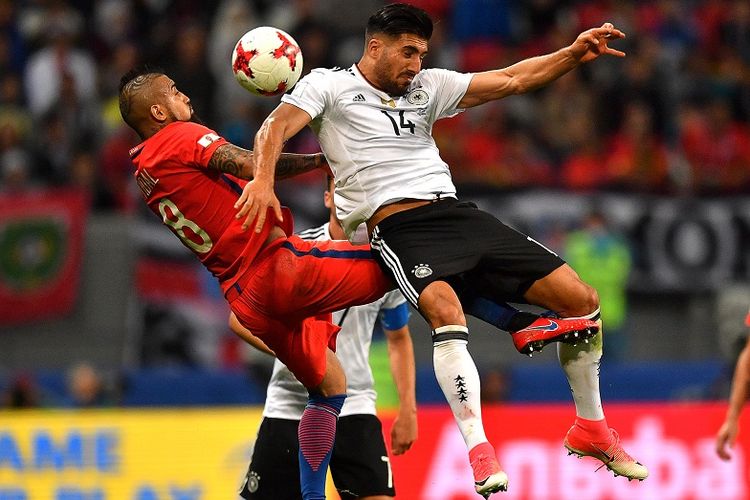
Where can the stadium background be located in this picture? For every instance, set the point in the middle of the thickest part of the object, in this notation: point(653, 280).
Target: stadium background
point(119, 376)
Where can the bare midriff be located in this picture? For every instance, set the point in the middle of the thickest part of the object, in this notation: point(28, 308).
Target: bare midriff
point(393, 208)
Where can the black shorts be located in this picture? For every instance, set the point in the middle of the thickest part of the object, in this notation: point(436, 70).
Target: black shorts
point(359, 463)
point(454, 241)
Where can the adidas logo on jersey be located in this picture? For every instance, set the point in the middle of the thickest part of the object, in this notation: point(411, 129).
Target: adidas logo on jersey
point(359, 98)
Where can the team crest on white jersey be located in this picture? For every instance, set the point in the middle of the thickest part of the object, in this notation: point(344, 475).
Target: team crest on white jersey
point(422, 270)
point(417, 97)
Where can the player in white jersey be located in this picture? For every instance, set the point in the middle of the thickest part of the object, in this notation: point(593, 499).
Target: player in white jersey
point(360, 465)
point(374, 123)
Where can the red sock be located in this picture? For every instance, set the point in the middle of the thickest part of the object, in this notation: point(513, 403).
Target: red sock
point(597, 430)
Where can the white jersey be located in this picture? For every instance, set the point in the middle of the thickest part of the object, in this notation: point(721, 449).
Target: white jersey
point(380, 148)
point(286, 397)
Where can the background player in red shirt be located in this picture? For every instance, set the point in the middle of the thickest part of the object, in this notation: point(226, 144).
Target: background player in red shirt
point(279, 286)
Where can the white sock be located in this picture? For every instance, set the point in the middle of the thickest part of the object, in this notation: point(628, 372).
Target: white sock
point(458, 377)
point(581, 367)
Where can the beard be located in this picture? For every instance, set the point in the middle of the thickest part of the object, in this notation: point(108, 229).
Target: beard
point(196, 119)
point(385, 83)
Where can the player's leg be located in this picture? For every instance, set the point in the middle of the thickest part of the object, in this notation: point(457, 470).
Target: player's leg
point(317, 428)
point(303, 346)
point(530, 332)
point(458, 378)
point(273, 473)
point(405, 244)
point(590, 435)
point(360, 465)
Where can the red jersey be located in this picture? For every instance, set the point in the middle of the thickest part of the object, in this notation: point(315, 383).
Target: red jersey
point(197, 203)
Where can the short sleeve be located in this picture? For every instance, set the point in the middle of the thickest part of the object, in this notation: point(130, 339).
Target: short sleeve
point(394, 312)
point(311, 94)
point(448, 87)
point(197, 143)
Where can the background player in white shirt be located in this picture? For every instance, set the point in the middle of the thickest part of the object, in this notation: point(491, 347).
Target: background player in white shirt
point(374, 123)
point(360, 466)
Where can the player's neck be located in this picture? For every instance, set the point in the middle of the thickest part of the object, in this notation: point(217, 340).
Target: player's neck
point(335, 231)
point(366, 70)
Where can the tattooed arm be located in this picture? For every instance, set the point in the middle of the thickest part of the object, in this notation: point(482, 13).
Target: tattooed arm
point(239, 162)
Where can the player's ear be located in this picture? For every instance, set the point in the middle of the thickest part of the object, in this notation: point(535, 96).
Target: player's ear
point(157, 113)
point(374, 47)
point(328, 199)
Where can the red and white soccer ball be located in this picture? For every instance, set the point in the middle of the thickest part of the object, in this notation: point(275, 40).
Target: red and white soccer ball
point(267, 61)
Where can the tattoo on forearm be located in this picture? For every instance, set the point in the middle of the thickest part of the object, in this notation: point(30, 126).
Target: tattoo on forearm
point(290, 165)
point(239, 162)
point(230, 159)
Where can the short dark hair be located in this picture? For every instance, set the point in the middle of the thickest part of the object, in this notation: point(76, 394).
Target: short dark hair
point(130, 83)
point(399, 18)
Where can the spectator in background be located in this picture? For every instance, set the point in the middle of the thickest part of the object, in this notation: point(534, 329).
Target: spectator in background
point(729, 430)
point(523, 163)
point(115, 171)
point(187, 66)
point(603, 259)
point(60, 63)
point(13, 113)
point(22, 393)
point(637, 158)
point(495, 385)
point(16, 167)
point(84, 175)
point(561, 108)
point(15, 171)
point(12, 46)
point(582, 169)
point(238, 112)
point(717, 147)
point(86, 388)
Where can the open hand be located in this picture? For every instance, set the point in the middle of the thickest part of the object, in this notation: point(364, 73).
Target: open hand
point(594, 42)
point(256, 198)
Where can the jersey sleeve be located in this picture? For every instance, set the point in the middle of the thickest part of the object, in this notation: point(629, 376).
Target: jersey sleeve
point(197, 143)
point(394, 312)
point(448, 88)
point(311, 94)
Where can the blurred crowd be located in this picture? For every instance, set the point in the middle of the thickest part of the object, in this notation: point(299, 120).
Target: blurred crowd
point(670, 118)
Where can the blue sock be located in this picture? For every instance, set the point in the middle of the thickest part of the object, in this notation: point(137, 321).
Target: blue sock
point(493, 313)
point(317, 431)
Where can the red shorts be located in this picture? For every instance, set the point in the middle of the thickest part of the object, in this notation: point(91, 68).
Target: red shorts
point(287, 297)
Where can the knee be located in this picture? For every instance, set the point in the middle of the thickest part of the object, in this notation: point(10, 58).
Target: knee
point(446, 315)
point(331, 386)
point(587, 300)
point(334, 379)
point(440, 306)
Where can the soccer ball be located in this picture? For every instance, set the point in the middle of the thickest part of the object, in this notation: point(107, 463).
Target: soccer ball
point(267, 61)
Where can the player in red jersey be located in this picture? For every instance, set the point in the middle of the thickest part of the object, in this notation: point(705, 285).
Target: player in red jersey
point(280, 287)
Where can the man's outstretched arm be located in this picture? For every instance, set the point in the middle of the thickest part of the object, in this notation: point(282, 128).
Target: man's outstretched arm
point(536, 72)
point(239, 162)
